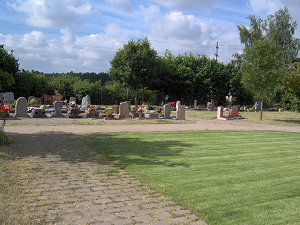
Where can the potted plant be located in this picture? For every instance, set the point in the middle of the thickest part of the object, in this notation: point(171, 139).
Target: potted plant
point(4, 112)
point(109, 112)
point(91, 109)
point(141, 112)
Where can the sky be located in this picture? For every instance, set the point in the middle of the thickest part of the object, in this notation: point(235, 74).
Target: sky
point(59, 36)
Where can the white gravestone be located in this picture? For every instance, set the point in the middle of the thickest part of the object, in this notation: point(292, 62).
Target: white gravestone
point(21, 107)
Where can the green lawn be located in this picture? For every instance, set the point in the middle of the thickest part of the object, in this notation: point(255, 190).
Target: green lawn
point(224, 177)
point(287, 118)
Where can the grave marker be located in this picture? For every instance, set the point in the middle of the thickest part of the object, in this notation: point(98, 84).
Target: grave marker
point(21, 107)
point(180, 112)
point(167, 111)
point(123, 110)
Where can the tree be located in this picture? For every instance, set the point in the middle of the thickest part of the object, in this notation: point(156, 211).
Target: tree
point(278, 28)
point(261, 69)
point(8, 69)
point(136, 65)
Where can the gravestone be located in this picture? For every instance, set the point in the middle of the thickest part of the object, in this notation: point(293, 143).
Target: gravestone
point(195, 104)
point(72, 99)
point(220, 112)
point(21, 107)
point(47, 99)
point(86, 101)
point(151, 116)
point(74, 114)
point(39, 113)
point(129, 104)
point(257, 106)
point(7, 97)
point(167, 111)
point(57, 113)
point(180, 112)
point(124, 110)
point(212, 104)
point(30, 98)
point(234, 109)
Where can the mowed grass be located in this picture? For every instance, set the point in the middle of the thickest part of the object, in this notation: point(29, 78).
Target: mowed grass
point(287, 118)
point(224, 177)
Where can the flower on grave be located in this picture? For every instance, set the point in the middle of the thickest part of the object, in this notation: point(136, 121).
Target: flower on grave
point(158, 109)
point(4, 110)
point(72, 104)
point(141, 109)
point(135, 108)
point(116, 108)
point(92, 107)
point(161, 115)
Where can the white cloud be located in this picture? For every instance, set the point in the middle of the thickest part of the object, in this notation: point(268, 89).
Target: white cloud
point(187, 4)
point(265, 6)
point(54, 13)
point(171, 25)
point(123, 4)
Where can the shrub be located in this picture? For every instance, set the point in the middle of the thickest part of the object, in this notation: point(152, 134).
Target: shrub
point(4, 138)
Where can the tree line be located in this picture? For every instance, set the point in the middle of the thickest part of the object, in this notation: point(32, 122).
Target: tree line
point(267, 71)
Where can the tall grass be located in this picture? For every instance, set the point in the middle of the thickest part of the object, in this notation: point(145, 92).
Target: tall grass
point(224, 177)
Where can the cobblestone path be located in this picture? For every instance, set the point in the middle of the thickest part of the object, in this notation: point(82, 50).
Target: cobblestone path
point(68, 183)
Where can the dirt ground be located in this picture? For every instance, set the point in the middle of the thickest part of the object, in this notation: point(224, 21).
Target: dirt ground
point(36, 125)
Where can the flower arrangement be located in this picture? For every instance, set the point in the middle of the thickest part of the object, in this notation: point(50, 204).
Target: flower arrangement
point(33, 102)
point(161, 115)
point(92, 107)
point(116, 108)
point(72, 104)
point(158, 109)
point(141, 109)
point(109, 112)
point(235, 115)
point(4, 110)
point(172, 104)
point(135, 108)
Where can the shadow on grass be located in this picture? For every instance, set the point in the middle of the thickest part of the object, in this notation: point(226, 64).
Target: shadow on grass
point(289, 121)
point(84, 148)
point(125, 151)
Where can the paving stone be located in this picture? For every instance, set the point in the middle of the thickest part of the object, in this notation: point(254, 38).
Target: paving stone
point(97, 207)
point(128, 208)
point(83, 203)
point(71, 215)
point(167, 203)
point(91, 213)
point(162, 222)
point(142, 218)
point(115, 205)
point(102, 201)
point(121, 199)
point(126, 214)
point(149, 211)
point(85, 220)
point(61, 206)
point(65, 222)
point(179, 220)
point(148, 206)
point(179, 212)
point(106, 217)
point(135, 202)
point(113, 210)
point(162, 215)
point(122, 221)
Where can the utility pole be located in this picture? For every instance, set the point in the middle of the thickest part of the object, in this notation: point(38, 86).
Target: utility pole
point(217, 49)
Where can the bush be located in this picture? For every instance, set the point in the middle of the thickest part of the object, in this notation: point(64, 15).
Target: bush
point(4, 138)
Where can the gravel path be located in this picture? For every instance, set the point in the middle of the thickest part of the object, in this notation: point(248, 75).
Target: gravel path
point(69, 183)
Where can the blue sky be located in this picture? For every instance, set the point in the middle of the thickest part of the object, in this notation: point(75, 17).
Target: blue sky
point(83, 35)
